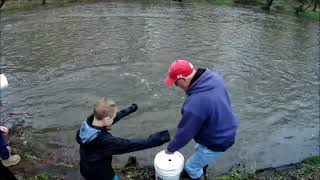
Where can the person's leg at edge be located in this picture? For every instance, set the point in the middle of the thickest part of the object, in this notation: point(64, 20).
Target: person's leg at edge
point(4, 153)
point(6, 174)
point(198, 160)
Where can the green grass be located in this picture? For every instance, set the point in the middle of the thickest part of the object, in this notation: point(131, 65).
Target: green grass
point(314, 15)
point(221, 2)
point(315, 160)
point(238, 173)
point(42, 176)
point(282, 6)
point(309, 168)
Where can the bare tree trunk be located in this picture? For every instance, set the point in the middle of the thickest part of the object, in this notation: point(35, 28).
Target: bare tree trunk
point(269, 4)
point(315, 6)
point(2, 3)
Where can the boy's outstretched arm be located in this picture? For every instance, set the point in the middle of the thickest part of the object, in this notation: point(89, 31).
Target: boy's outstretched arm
point(131, 109)
point(116, 145)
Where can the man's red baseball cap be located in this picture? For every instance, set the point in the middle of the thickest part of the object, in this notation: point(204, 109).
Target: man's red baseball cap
point(178, 69)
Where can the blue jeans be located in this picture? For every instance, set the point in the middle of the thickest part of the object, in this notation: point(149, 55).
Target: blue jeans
point(200, 158)
point(115, 177)
point(4, 153)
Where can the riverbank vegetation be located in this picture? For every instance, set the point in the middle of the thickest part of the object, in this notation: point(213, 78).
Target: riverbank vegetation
point(302, 8)
point(308, 169)
point(37, 164)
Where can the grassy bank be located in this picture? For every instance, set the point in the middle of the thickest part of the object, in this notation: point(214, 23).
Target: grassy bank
point(280, 6)
point(308, 169)
point(284, 6)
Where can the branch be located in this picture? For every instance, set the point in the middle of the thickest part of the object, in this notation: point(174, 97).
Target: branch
point(307, 7)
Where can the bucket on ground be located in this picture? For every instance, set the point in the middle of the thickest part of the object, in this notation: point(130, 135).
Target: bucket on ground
point(3, 81)
point(168, 166)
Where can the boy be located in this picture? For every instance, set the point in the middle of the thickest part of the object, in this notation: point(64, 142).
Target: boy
point(97, 145)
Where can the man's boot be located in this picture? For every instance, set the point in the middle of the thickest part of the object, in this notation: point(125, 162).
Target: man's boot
point(12, 160)
point(205, 171)
point(184, 174)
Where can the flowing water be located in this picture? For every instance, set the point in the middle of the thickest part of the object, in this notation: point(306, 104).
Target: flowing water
point(59, 61)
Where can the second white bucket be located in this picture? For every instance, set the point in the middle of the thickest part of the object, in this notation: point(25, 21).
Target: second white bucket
point(168, 166)
point(3, 81)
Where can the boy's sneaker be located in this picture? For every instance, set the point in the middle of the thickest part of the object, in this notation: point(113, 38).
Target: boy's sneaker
point(13, 160)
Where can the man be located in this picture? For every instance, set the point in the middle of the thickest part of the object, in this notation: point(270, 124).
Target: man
point(207, 116)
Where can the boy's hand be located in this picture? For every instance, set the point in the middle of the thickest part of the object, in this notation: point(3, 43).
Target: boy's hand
point(4, 129)
point(133, 108)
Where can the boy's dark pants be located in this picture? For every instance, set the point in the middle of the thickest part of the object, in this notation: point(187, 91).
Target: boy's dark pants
point(5, 173)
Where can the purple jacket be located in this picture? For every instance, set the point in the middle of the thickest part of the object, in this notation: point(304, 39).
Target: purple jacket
point(207, 115)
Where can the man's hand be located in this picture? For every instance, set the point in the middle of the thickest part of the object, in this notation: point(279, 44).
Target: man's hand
point(4, 129)
point(168, 152)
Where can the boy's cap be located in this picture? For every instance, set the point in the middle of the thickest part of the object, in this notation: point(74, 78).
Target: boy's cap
point(178, 69)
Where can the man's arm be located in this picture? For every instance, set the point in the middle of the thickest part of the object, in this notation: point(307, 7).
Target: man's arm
point(131, 109)
point(188, 127)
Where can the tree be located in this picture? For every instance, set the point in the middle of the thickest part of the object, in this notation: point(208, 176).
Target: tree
point(315, 2)
point(268, 5)
point(2, 3)
point(305, 4)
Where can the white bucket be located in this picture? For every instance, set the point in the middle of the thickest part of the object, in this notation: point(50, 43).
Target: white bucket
point(168, 166)
point(3, 81)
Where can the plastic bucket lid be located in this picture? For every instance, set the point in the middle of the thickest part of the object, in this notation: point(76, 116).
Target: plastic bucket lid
point(169, 162)
point(3, 81)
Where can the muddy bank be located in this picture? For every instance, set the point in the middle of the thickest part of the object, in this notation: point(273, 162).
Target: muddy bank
point(38, 164)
